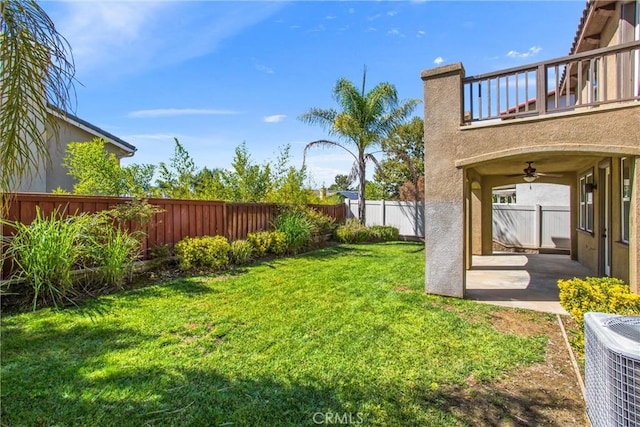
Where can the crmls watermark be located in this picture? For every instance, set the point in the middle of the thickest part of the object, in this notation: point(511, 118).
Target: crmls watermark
point(334, 418)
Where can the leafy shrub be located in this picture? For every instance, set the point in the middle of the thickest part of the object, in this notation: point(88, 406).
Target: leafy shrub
point(139, 210)
point(321, 224)
point(264, 242)
point(241, 252)
point(296, 226)
point(277, 242)
point(45, 252)
point(600, 294)
point(207, 251)
point(160, 251)
point(352, 232)
point(259, 241)
point(384, 233)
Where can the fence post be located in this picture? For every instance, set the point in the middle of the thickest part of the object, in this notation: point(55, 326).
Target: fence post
point(415, 218)
point(537, 217)
point(384, 213)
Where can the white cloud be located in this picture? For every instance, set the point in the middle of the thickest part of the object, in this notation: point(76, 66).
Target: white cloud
point(276, 118)
point(420, 33)
point(533, 50)
point(374, 17)
point(329, 17)
point(395, 32)
point(392, 13)
point(371, 29)
point(294, 27)
point(264, 69)
point(119, 38)
point(439, 60)
point(171, 112)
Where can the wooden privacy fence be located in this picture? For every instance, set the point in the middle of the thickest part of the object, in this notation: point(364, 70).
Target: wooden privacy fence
point(179, 219)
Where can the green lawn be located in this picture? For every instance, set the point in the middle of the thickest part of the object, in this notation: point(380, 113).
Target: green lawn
point(345, 330)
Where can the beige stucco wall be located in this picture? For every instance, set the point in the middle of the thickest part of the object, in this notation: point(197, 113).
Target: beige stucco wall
point(51, 175)
point(574, 140)
point(56, 174)
point(604, 129)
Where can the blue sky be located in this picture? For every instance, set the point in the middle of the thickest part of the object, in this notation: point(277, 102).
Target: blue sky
point(216, 74)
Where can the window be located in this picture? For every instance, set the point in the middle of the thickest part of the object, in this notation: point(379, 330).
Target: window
point(585, 213)
point(625, 197)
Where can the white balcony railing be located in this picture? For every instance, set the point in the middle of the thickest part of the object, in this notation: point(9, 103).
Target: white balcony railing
point(586, 79)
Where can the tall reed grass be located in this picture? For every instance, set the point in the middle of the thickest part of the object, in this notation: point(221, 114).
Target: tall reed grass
point(45, 253)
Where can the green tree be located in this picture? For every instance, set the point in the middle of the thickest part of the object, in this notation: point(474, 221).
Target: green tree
point(36, 70)
point(375, 191)
point(207, 184)
point(177, 179)
point(247, 182)
point(287, 183)
point(404, 162)
point(341, 182)
point(363, 120)
point(98, 172)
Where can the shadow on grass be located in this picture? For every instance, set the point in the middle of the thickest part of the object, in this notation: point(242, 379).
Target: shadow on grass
point(334, 252)
point(191, 396)
point(491, 406)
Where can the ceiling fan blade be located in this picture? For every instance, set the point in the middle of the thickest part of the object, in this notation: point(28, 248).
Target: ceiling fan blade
point(514, 175)
point(553, 175)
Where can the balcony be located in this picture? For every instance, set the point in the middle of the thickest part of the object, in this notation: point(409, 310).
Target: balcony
point(571, 83)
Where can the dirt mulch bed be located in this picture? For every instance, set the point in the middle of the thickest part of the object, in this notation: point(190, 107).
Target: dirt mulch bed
point(543, 394)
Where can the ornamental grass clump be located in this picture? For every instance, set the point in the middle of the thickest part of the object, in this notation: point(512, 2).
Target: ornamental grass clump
point(240, 252)
point(45, 253)
point(108, 250)
point(296, 226)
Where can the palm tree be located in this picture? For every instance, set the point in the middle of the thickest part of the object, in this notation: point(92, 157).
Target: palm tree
point(364, 119)
point(36, 72)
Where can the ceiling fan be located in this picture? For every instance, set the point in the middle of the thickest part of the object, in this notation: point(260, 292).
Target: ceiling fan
point(531, 175)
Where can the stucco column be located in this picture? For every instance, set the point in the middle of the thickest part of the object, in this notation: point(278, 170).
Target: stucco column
point(573, 218)
point(476, 220)
point(634, 228)
point(445, 237)
point(486, 202)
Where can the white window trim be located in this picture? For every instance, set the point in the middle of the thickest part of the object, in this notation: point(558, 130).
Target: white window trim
point(585, 202)
point(624, 223)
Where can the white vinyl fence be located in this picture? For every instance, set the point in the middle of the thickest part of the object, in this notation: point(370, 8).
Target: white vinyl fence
point(513, 225)
point(408, 217)
point(535, 227)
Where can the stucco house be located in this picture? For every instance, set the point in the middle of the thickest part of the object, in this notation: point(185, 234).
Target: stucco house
point(70, 128)
point(482, 131)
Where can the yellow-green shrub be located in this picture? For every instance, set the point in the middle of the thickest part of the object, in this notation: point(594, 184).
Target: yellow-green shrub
point(264, 242)
point(206, 251)
point(601, 294)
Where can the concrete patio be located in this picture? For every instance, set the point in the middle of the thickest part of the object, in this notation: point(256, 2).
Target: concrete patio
point(521, 280)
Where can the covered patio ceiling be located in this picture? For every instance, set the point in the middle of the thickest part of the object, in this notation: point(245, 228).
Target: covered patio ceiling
point(543, 162)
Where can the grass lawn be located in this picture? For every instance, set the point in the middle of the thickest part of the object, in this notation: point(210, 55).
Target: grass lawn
point(341, 332)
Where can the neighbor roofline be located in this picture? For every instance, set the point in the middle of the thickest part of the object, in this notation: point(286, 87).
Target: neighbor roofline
point(92, 129)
